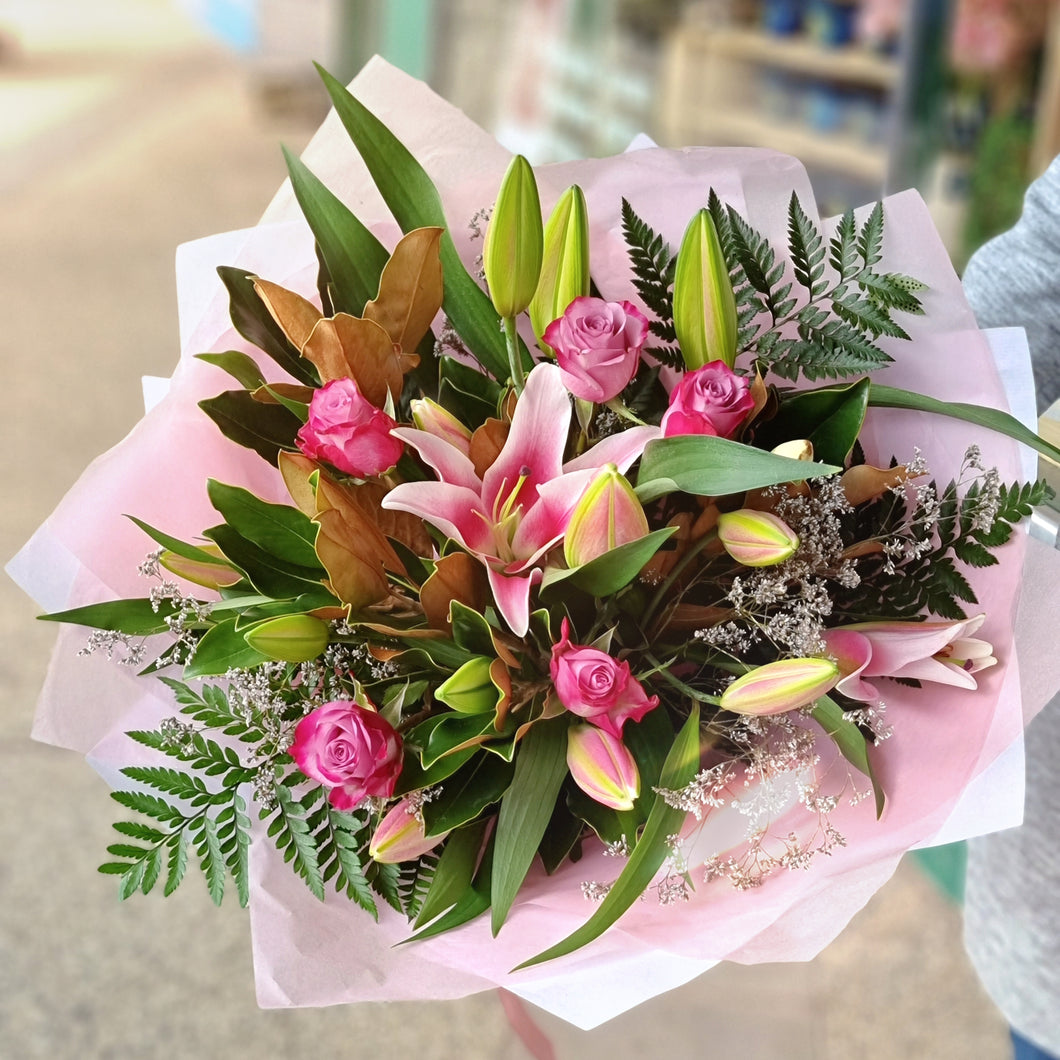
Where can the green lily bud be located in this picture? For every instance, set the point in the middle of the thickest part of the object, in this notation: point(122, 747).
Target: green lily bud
point(511, 256)
point(289, 638)
point(431, 417)
point(704, 305)
point(565, 267)
point(400, 836)
point(780, 686)
point(609, 514)
point(756, 539)
point(471, 689)
point(602, 767)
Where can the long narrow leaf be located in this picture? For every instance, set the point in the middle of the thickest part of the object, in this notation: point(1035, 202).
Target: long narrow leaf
point(650, 852)
point(415, 203)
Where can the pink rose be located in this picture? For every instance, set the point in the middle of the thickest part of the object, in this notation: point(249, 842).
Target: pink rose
point(597, 346)
point(349, 432)
point(593, 685)
point(710, 400)
point(349, 748)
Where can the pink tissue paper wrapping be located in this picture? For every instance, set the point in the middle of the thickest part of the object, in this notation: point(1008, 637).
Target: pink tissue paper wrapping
point(952, 769)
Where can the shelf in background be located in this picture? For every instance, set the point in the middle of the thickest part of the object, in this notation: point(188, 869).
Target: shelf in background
point(804, 56)
point(747, 127)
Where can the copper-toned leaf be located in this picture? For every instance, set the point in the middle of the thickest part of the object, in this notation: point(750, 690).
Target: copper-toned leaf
point(365, 535)
point(503, 680)
point(486, 443)
point(865, 483)
point(344, 347)
point(688, 617)
point(552, 708)
point(355, 576)
point(296, 316)
point(405, 527)
point(660, 565)
point(293, 391)
point(410, 289)
point(296, 470)
point(457, 576)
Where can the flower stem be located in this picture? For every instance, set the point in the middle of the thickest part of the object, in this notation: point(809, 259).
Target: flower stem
point(679, 568)
point(515, 360)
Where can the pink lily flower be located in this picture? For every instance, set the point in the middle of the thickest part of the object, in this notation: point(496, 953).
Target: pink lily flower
point(944, 652)
point(519, 509)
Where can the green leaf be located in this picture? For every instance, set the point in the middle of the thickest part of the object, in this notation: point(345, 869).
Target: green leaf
point(612, 570)
point(415, 203)
point(850, 741)
point(176, 862)
point(471, 631)
point(270, 575)
point(174, 544)
point(222, 648)
point(137, 617)
point(474, 902)
point(254, 322)
point(830, 417)
point(713, 467)
point(467, 793)
point(993, 419)
point(240, 366)
point(870, 238)
point(526, 808)
point(264, 428)
point(208, 847)
point(279, 529)
point(454, 872)
point(354, 258)
point(650, 852)
point(468, 394)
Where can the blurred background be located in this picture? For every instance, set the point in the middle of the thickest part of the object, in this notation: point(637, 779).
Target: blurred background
point(130, 126)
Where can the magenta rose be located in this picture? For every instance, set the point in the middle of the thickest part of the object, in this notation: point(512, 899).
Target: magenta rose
point(348, 431)
point(597, 346)
point(597, 687)
point(349, 748)
point(710, 400)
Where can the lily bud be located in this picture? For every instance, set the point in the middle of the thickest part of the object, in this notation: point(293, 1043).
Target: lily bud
point(289, 638)
point(756, 539)
point(609, 514)
point(400, 835)
point(471, 689)
point(511, 256)
point(433, 418)
point(780, 686)
point(565, 265)
point(201, 572)
point(602, 766)
point(704, 305)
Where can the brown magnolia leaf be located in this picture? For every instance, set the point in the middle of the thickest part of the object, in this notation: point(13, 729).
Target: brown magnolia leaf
point(688, 617)
point(862, 548)
point(355, 575)
point(397, 631)
point(347, 347)
point(456, 577)
point(330, 614)
point(293, 391)
point(486, 443)
point(364, 534)
point(410, 288)
point(296, 316)
point(296, 470)
point(503, 680)
point(865, 483)
point(553, 708)
point(707, 520)
point(660, 565)
point(405, 527)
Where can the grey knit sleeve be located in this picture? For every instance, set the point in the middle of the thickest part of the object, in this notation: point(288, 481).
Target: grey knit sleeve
point(1014, 280)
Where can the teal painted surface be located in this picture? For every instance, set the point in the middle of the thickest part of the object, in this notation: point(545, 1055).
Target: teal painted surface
point(946, 866)
point(406, 36)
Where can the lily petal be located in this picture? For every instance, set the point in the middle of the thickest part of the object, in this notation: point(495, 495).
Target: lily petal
point(546, 521)
point(449, 462)
point(455, 510)
point(619, 449)
point(512, 594)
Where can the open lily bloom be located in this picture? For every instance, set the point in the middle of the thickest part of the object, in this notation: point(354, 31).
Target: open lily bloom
point(943, 652)
point(948, 771)
point(520, 507)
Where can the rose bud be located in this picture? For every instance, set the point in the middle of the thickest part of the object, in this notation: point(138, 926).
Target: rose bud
point(350, 749)
point(711, 400)
point(780, 686)
point(289, 638)
point(511, 256)
point(565, 266)
point(349, 432)
point(598, 346)
point(597, 687)
point(756, 539)
point(400, 835)
point(608, 514)
point(433, 418)
point(704, 305)
point(602, 767)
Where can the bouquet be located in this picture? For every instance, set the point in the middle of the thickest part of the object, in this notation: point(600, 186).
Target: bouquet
point(562, 593)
